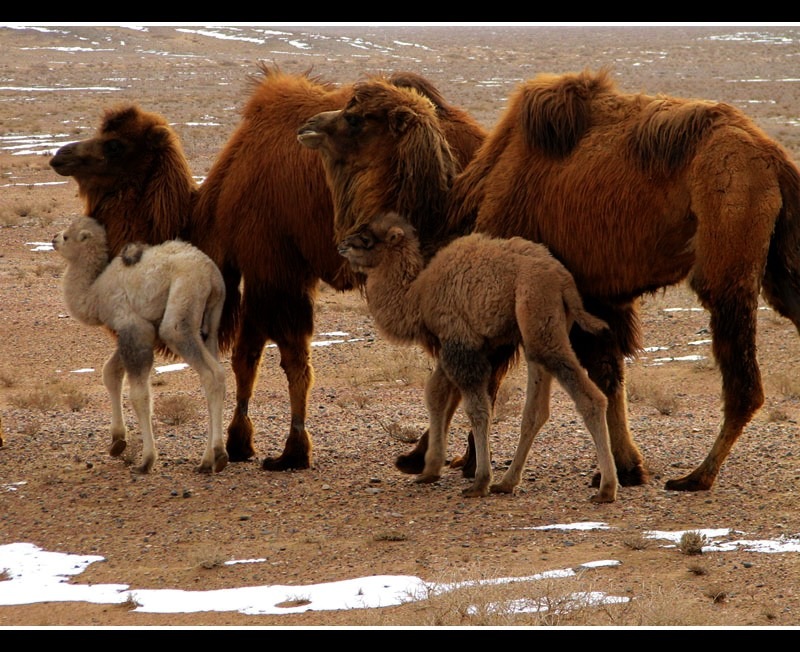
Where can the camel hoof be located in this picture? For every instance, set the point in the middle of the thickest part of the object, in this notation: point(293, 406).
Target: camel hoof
point(285, 463)
point(239, 444)
point(413, 463)
point(688, 483)
point(501, 488)
point(239, 451)
point(633, 477)
point(117, 447)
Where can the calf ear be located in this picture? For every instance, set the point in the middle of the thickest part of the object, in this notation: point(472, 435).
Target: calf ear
point(395, 235)
point(84, 234)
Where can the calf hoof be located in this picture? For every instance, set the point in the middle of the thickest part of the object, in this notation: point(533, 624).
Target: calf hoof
point(427, 478)
point(220, 462)
point(500, 488)
point(476, 491)
point(601, 497)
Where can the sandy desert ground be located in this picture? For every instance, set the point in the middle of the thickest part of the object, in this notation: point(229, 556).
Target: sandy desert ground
point(353, 515)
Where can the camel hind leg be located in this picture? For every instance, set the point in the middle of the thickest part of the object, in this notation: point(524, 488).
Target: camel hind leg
point(534, 416)
point(737, 199)
point(292, 326)
point(183, 336)
point(733, 330)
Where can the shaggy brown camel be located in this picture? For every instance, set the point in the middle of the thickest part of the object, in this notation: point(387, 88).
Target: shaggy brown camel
point(673, 189)
point(477, 294)
point(263, 214)
point(172, 293)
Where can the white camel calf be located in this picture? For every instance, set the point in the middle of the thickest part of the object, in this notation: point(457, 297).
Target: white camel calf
point(170, 294)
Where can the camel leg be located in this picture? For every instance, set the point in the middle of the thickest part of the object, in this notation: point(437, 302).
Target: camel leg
point(733, 327)
point(738, 211)
point(113, 375)
point(245, 358)
point(472, 372)
point(295, 315)
point(534, 416)
point(604, 359)
point(439, 392)
point(414, 461)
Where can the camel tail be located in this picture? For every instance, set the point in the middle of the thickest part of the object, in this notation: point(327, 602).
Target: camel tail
point(231, 311)
point(781, 282)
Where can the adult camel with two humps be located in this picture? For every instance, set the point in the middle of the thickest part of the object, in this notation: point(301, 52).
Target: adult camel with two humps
point(631, 192)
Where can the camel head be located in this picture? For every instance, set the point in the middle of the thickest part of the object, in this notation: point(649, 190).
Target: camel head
point(384, 151)
point(123, 151)
point(132, 176)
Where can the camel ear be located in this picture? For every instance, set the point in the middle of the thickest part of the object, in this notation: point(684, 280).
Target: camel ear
point(84, 234)
point(400, 118)
point(159, 135)
point(395, 235)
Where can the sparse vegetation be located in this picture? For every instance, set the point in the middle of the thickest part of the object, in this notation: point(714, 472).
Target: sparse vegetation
point(176, 409)
point(691, 543)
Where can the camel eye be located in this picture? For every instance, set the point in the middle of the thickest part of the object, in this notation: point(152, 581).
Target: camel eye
point(113, 148)
point(354, 121)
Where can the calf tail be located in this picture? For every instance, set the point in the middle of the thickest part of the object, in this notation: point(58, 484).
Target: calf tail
point(574, 307)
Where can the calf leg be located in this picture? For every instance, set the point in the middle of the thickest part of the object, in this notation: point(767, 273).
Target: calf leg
point(439, 392)
point(591, 405)
point(471, 371)
point(191, 348)
point(136, 351)
point(113, 375)
point(534, 416)
point(413, 461)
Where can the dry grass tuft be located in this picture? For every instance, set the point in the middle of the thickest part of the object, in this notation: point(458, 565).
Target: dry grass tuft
point(176, 409)
point(692, 543)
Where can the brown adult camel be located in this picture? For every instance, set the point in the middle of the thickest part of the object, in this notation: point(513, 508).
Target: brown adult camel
point(263, 214)
point(631, 192)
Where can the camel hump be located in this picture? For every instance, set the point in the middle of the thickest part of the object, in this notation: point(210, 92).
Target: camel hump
point(556, 109)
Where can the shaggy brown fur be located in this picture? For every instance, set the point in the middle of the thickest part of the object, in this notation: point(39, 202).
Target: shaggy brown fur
point(478, 294)
point(171, 293)
point(631, 192)
point(263, 214)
